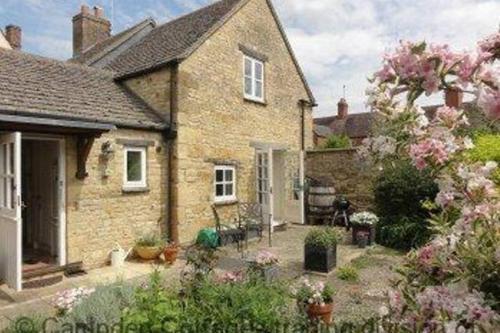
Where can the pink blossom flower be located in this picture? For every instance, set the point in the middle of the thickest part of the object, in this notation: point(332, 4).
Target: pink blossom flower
point(231, 277)
point(429, 150)
point(490, 44)
point(450, 117)
point(489, 101)
point(266, 258)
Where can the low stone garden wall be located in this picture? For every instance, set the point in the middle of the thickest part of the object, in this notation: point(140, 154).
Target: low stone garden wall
point(342, 169)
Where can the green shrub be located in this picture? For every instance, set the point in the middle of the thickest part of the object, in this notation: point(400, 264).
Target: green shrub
point(225, 306)
point(155, 309)
point(348, 273)
point(26, 324)
point(104, 305)
point(399, 193)
point(323, 237)
point(487, 149)
point(338, 141)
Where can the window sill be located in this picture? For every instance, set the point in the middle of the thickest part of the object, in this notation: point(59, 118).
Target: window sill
point(255, 101)
point(226, 202)
point(135, 189)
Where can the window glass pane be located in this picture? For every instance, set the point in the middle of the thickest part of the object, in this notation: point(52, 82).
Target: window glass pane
point(258, 71)
point(248, 67)
point(258, 89)
point(134, 166)
point(229, 175)
point(248, 86)
point(11, 158)
point(219, 190)
point(229, 189)
point(219, 176)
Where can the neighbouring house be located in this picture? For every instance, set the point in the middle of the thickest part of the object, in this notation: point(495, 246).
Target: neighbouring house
point(146, 130)
point(356, 126)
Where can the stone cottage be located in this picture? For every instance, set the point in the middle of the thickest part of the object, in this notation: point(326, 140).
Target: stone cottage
point(146, 130)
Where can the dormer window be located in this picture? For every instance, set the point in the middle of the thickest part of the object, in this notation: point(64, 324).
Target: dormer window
point(254, 79)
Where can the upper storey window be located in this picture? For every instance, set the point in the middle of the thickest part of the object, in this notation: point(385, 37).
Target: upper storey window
point(254, 79)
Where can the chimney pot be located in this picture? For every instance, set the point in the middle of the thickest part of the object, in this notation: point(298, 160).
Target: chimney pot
point(85, 10)
point(13, 34)
point(343, 108)
point(454, 97)
point(98, 12)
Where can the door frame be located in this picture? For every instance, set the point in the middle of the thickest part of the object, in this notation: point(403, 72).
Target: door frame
point(62, 244)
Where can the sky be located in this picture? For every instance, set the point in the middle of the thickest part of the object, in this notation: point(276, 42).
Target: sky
point(337, 42)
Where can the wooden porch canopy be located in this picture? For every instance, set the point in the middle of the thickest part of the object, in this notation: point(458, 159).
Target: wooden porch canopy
point(85, 131)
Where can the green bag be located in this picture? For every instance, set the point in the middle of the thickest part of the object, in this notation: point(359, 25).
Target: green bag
point(208, 237)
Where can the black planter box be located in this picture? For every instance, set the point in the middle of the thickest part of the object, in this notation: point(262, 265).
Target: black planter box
point(320, 259)
point(370, 229)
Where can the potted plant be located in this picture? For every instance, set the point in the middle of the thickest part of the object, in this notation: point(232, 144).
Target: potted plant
point(364, 221)
point(149, 247)
point(316, 299)
point(362, 237)
point(170, 252)
point(320, 249)
point(265, 265)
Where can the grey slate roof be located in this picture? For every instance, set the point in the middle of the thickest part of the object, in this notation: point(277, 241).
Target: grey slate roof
point(323, 131)
point(172, 40)
point(355, 125)
point(99, 50)
point(36, 86)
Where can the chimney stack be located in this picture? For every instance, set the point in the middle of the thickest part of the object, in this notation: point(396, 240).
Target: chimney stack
point(89, 28)
point(13, 34)
point(453, 97)
point(343, 108)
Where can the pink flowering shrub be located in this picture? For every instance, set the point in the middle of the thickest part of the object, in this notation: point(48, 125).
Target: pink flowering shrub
point(66, 300)
point(465, 249)
point(265, 258)
point(231, 277)
point(313, 292)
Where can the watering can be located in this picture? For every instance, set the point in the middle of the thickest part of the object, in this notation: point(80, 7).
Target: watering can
point(118, 256)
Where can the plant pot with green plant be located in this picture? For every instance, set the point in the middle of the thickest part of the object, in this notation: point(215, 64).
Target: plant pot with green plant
point(320, 249)
point(149, 247)
point(316, 299)
point(363, 222)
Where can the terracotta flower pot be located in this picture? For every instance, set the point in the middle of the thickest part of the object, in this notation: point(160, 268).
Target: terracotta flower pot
point(148, 252)
point(321, 312)
point(170, 254)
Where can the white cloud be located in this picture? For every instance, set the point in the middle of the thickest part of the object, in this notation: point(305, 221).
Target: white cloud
point(340, 42)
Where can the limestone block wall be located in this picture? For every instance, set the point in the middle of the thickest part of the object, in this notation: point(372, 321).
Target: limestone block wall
point(99, 213)
point(215, 122)
point(343, 169)
point(154, 89)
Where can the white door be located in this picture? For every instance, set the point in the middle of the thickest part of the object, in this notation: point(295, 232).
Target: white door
point(10, 210)
point(263, 182)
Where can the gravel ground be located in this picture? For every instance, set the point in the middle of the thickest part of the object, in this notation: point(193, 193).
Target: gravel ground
point(354, 300)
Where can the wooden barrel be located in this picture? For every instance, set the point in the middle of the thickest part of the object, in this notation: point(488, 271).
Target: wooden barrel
point(321, 198)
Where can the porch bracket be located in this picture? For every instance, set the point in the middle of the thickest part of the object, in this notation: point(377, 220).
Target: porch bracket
point(83, 146)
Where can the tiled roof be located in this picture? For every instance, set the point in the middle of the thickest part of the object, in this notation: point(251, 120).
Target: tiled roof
point(98, 50)
point(172, 40)
point(323, 131)
point(356, 125)
point(41, 87)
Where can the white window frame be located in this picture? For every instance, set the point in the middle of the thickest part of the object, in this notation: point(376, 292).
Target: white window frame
point(253, 78)
point(224, 198)
point(144, 170)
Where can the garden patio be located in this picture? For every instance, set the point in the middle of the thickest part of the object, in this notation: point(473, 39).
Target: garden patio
point(359, 290)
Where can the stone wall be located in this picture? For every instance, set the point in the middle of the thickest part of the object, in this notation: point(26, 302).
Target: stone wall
point(215, 123)
point(342, 169)
point(99, 213)
point(154, 88)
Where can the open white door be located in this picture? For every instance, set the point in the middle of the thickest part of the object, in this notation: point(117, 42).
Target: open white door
point(10, 210)
point(271, 185)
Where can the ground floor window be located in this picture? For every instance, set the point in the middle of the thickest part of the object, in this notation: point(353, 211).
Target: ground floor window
point(135, 173)
point(225, 183)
